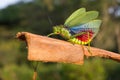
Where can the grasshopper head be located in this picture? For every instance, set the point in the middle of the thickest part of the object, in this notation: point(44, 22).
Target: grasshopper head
point(57, 29)
point(61, 30)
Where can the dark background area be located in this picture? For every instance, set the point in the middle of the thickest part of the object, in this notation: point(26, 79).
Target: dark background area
point(39, 16)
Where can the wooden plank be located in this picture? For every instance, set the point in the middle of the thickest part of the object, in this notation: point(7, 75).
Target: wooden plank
point(42, 48)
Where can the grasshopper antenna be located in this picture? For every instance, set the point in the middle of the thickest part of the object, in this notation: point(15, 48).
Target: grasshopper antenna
point(49, 19)
point(51, 23)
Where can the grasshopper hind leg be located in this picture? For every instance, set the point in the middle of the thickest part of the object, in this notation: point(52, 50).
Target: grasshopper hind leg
point(88, 48)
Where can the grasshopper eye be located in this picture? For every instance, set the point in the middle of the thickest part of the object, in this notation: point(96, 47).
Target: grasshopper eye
point(58, 32)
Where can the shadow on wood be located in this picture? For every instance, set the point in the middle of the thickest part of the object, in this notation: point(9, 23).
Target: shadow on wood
point(42, 48)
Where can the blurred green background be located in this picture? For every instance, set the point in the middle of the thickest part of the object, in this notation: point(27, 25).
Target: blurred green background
point(39, 16)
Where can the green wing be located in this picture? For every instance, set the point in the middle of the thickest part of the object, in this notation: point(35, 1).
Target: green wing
point(75, 14)
point(81, 18)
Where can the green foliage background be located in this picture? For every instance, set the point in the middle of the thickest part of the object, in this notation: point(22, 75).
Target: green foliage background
point(38, 17)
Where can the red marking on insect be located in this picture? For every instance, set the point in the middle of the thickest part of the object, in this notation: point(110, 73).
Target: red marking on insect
point(85, 37)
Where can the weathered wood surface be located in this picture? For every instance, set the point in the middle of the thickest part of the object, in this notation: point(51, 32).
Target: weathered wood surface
point(42, 48)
